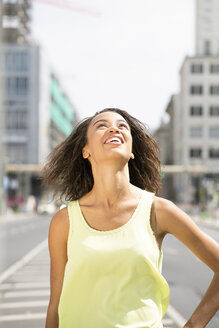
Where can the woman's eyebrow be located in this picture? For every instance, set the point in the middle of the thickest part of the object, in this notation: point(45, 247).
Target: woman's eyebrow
point(108, 121)
point(99, 121)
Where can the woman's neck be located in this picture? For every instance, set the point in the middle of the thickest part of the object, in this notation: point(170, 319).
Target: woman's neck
point(110, 185)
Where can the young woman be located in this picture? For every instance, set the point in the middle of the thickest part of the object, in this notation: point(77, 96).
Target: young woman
point(105, 246)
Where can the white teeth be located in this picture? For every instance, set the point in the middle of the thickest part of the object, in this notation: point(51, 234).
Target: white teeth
point(114, 140)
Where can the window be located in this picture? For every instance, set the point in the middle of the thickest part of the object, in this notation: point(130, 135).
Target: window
point(214, 68)
point(17, 86)
point(214, 153)
point(196, 68)
point(214, 89)
point(214, 111)
point(195, 152)
point(21, 61)
point(16, 153)
point(17, 61)
point(21, 86)
point(196, 131)
point(196, 111)
point(214, 132)
point(16, 119)
point(207, 47)
point(196, 89)
point(10, 86)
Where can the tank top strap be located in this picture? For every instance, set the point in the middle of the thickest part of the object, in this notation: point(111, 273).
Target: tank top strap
point(144, 217)
point(145, 211)
point(72, 215)
point(147, 204)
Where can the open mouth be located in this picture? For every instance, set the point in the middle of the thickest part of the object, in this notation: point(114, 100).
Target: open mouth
point(114, 140)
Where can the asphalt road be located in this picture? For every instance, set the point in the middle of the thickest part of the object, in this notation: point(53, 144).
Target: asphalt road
point(19, 235)
point(187, 276)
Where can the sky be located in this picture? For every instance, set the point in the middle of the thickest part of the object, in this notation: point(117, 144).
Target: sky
point(123, 53)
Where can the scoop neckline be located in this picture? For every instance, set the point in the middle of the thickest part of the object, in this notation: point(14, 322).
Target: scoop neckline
point(122, 227)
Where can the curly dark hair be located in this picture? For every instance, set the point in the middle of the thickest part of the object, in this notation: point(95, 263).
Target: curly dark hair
point(70, 175)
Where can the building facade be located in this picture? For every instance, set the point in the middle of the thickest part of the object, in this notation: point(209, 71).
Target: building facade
point(38, 114)
point(207, 28)
point(16, 21)
point(194, 113)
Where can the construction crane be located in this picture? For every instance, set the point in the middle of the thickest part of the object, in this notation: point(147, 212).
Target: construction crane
point(69, 6)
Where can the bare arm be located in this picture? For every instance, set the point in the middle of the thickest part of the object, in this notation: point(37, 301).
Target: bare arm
point(172, 219)
point(58, 234)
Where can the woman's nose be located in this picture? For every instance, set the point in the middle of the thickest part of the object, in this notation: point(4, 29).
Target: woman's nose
point(114, 129)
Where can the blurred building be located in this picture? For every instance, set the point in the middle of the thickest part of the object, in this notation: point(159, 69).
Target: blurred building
point(16, 21)
point(2, 167)
point(194, 113)
point(38, 112)
point(164, 140)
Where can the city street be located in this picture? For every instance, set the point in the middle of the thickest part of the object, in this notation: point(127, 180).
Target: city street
point(100, 96)
point(24, 275)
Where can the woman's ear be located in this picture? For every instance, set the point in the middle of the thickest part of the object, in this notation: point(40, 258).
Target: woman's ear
point(85, 154)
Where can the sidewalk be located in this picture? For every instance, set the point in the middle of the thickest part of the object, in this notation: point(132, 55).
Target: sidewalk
point(212, 223)
point(17, 216)
point(10, 217)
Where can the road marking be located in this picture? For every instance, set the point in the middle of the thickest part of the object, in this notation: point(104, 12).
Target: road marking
point(176, 316)
point(19, 264)
point(26, 316)
point(13, 305)
point(23, 285)
point(34, 273)
point(16, 230)
point(26, 293)
point(167, 321)
point(32, 316)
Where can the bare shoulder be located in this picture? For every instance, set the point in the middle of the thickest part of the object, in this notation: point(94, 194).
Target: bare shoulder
point(60, 223)
point(163, 209)
point(169, 216)
point(163, 203)
point(61, 215)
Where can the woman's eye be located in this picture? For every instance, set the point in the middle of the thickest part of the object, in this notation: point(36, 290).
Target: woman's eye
point(123, 125)
point(101, 125)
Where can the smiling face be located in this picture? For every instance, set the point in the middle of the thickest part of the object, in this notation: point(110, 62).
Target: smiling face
point(108, 138)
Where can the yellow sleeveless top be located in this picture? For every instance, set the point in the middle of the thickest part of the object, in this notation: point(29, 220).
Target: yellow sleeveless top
point(113, 278)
